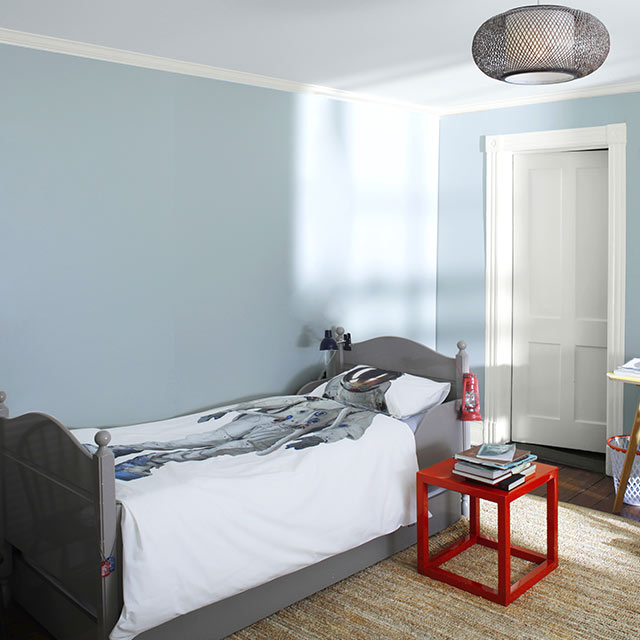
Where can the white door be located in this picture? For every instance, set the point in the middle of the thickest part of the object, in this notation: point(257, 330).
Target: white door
point(560, 299)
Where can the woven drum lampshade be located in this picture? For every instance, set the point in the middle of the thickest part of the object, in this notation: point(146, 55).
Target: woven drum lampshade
point(540, 44)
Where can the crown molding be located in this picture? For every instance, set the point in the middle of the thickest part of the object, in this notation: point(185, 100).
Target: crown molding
point(158, 63)
point(575, 94)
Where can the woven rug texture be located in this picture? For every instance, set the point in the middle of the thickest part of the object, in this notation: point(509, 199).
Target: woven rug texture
point(594, 594)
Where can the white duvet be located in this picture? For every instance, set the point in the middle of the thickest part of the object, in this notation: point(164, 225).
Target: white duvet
point(195, 532)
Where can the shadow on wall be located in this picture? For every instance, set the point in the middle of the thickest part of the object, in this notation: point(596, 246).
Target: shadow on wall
point(365, 237)
point(461, 313)
point(167, 238)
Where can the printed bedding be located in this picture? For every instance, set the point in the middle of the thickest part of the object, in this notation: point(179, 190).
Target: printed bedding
point(218, 502)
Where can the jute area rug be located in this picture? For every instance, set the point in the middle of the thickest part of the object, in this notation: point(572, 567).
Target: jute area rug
point(593, 594)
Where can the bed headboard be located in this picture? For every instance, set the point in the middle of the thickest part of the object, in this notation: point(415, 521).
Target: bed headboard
point(400, 354)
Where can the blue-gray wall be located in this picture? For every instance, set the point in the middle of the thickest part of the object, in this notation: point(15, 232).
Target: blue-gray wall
point(461, 267)
point(170, 243)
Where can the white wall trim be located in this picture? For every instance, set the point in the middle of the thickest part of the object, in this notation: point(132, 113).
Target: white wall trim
point(499, 152)
point(136, 59)
point(146, 61)
point(556, 95)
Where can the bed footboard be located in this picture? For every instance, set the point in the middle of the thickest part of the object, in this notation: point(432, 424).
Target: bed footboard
point(59, 527)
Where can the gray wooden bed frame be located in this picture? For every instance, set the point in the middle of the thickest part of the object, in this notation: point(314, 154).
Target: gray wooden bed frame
point(60, 520)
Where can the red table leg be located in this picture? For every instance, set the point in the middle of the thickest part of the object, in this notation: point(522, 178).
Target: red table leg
point(552, 520)
point(504, 552)
point(474, 516)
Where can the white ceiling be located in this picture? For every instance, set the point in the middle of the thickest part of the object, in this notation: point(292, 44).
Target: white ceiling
point(416, 51)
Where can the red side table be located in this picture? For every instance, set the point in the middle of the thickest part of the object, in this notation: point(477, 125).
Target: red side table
point(440, 475)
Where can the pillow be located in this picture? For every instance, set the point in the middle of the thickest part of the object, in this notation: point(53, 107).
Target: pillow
point(393, 392)
point(413, 421)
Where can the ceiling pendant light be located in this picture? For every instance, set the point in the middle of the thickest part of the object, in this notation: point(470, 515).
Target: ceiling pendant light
point(540, 44)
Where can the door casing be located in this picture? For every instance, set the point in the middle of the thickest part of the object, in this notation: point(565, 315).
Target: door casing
point(499, 152)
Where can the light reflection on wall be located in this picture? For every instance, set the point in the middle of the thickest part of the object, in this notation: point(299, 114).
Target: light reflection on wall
point(366, 218)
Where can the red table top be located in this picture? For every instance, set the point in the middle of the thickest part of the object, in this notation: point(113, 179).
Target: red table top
point(440, 475)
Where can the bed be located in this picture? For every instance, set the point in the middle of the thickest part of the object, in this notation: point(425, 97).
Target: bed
point(61, 523)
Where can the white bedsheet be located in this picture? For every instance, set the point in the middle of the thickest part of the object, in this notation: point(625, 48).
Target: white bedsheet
point(198, 532)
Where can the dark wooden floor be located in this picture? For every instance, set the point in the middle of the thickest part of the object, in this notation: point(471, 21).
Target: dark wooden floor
point(576, 486)
point(588, 489)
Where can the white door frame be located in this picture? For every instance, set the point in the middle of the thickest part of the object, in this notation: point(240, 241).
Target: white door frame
point(499, 152)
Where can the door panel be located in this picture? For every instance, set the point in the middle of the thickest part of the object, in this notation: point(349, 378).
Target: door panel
point(591, 246)
point(544, 370)
point(545, 193)
point(560, 299)
point(589, 364)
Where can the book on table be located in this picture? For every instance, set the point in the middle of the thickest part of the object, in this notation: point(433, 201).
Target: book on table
point(501, 463)
point(493, 472)
point(632, 365)
point(478, 469)
point(525, 467)
point(497, 452)
point(483, 479)
point(527, 471)
point(495, 479)
point(471, 455)
point(629, 370)
point(511, 482)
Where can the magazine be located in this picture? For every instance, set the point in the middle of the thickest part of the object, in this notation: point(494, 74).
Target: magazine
point(629, 370)
point(471, 455)
point(632, 365)
point(497, 452)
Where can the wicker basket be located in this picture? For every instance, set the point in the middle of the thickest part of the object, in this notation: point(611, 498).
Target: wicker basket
point(619, 446)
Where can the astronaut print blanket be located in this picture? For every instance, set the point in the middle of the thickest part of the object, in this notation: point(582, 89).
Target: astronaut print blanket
point(221, 501)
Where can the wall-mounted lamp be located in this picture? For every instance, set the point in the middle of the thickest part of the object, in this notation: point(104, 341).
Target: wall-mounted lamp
point(341, 343)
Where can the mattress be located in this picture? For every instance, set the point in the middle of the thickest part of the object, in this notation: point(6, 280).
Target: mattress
point(220, 501)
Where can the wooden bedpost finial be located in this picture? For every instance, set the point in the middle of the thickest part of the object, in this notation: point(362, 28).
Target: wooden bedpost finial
point(102, 438)
point(462, 362)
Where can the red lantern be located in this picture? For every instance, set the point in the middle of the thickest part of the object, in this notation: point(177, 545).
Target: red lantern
point(470, 409)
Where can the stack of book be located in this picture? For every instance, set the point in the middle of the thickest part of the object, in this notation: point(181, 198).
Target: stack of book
point(502, 466)
point(629, 370)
